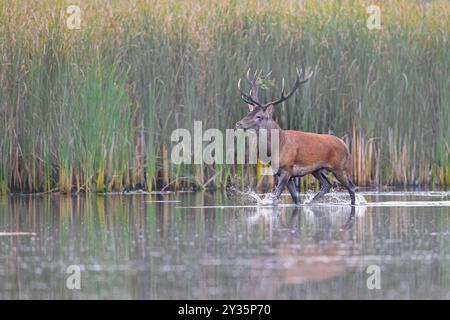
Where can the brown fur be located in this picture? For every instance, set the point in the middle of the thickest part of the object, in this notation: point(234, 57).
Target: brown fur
point(312, 152)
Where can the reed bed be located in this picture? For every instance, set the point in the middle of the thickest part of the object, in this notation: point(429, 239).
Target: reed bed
point(92, 110)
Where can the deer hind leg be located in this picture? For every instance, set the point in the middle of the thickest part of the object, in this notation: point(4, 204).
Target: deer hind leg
point(347, 183)
point(325, 185)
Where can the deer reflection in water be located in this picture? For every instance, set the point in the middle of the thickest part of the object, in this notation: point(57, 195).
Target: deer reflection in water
point(315, 247)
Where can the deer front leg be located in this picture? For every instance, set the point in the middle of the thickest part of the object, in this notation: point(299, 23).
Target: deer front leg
point(282, 181)
point(274, 197)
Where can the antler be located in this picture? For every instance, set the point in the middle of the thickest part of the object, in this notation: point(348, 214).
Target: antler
point(252, 96)
point(301, 78)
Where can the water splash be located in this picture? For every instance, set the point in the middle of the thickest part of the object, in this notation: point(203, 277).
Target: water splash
point(266, 199)
point(333, 198)
point(248, 196)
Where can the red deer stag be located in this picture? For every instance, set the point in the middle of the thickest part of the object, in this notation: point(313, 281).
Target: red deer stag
point(300, 153)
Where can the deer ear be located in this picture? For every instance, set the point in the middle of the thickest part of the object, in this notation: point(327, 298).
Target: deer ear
point(251, 107)
point(269, 110)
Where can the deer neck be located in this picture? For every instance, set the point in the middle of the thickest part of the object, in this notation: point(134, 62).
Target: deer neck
point(272, 125)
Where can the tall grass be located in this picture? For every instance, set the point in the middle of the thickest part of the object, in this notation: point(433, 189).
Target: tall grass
point(93, 109)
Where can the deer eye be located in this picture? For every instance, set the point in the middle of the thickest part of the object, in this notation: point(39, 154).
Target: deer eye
point(258, 117)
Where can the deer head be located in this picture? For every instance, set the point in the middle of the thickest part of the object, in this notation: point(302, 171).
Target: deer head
point(261, 115)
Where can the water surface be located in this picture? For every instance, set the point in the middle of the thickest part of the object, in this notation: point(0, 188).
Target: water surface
point(199, 246)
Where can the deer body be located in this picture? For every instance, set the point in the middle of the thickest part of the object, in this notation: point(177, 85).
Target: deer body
point(300, 153)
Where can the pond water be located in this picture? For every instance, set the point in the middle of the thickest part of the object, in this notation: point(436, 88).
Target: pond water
point(213, 246)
